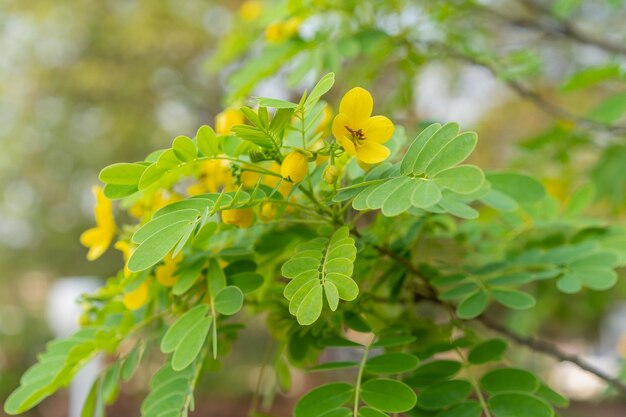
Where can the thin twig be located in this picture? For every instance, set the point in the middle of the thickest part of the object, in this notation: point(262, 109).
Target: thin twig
point(551, 350)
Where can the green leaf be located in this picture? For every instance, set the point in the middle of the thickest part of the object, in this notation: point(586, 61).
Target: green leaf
point(338, 412)
point(433, 145)
point(170, 393)
point(444, 394)
point(115, 191)
point(168, 160)
point(410, 158)
point(151, 175)
point(187, 277)
point(321, 88)
point(515, 278)
point(181, 327)
point(191, 344)
point(590, 76)
point(513, 299)
point(388, 395)
point(426, 194)
point(323, 399)
point(184, 149)
point(464, 409)
point(452, 153)
point(459, 291)
point(275, 103)
point(521, 188)
point(509, 380)
point(393, 340)
point(472, 306)
point(552, 396)
point(159, 223)
point(569, 284)
point(391, 363)
point(610, 110)
point(432, 372)
point(157, 245)
point(580, 200)
point(370, 412)
point(207, 141)
point(229, 300)
point(311, 306)
point(315, 265)
point(216, 280)
point(519, 405)
point(122, 174)
point(463, 179)
point(596, 278)
point(331, 366)
point(246, 281)
point(489, 350)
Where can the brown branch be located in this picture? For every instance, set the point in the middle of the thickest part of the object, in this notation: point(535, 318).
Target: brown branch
point(556, 27)
point(551, 350)
point(538, 345)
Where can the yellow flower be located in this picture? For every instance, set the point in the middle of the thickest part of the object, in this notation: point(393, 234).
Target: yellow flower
point(127, 250)
point(215, 177)
point(149, 204)
point(360, 133)
point(267, 211)
point(330, 174)
point(280, 31)
point(238, 217)
point(135, 299)
point(250, 10)
point(225, 120)
point(294, 166)
point(98, 238)
point(165, 273)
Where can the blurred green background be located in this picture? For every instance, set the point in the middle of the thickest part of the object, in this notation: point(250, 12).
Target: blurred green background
point(87, 83)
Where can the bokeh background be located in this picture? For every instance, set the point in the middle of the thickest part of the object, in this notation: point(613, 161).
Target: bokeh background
point(87, 83)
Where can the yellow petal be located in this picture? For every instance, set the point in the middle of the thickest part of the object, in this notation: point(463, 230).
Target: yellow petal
point(294, 167)
point(339, 126)
point(371, 152)
point(357, 104)
point(379, 129)
point(97, 240)
point(348, 146)
point(238, 217)
point(135, 299)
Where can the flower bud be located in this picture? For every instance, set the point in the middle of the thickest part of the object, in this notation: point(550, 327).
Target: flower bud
point(238, 217)
point(135, 299)
point(330, 174)
point(267, 211)
point(294, 167)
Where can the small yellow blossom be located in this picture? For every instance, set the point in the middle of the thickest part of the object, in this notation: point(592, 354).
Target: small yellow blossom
point(98, 238)
point(267, 211)
point(225, 120)
point(135, 299)
point(280, 31)
point(238, 217)
point(358, 132)
point(330, 174)
point(165, 273)
point(294, 167)
point(127, 250)
point(250, 10)
point(215, 177)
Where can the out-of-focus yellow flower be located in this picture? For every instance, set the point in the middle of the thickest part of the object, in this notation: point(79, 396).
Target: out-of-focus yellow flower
point(360, 133)
point(136, 299)
point(127, 250)
point(165, 273)
point(327, 118)
point(272, 181)
point(280, 31)
point(215, 177)
point(238, 217)
point(225, 120)
point(147, 206)
point(250, 10)
point(294, 167)
point(98, 238)
point(267, 211)
point(330, 174)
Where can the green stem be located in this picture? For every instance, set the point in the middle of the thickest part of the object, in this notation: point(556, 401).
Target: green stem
point(257, 389)
point(359, 377)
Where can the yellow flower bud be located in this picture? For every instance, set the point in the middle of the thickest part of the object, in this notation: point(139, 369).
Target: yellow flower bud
point(135, 299)
point(250, 10)
point(225, 120)
point(294, 167)
point(267, 211)
point(238, 217)
point(274, 32)
point(330, 174)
